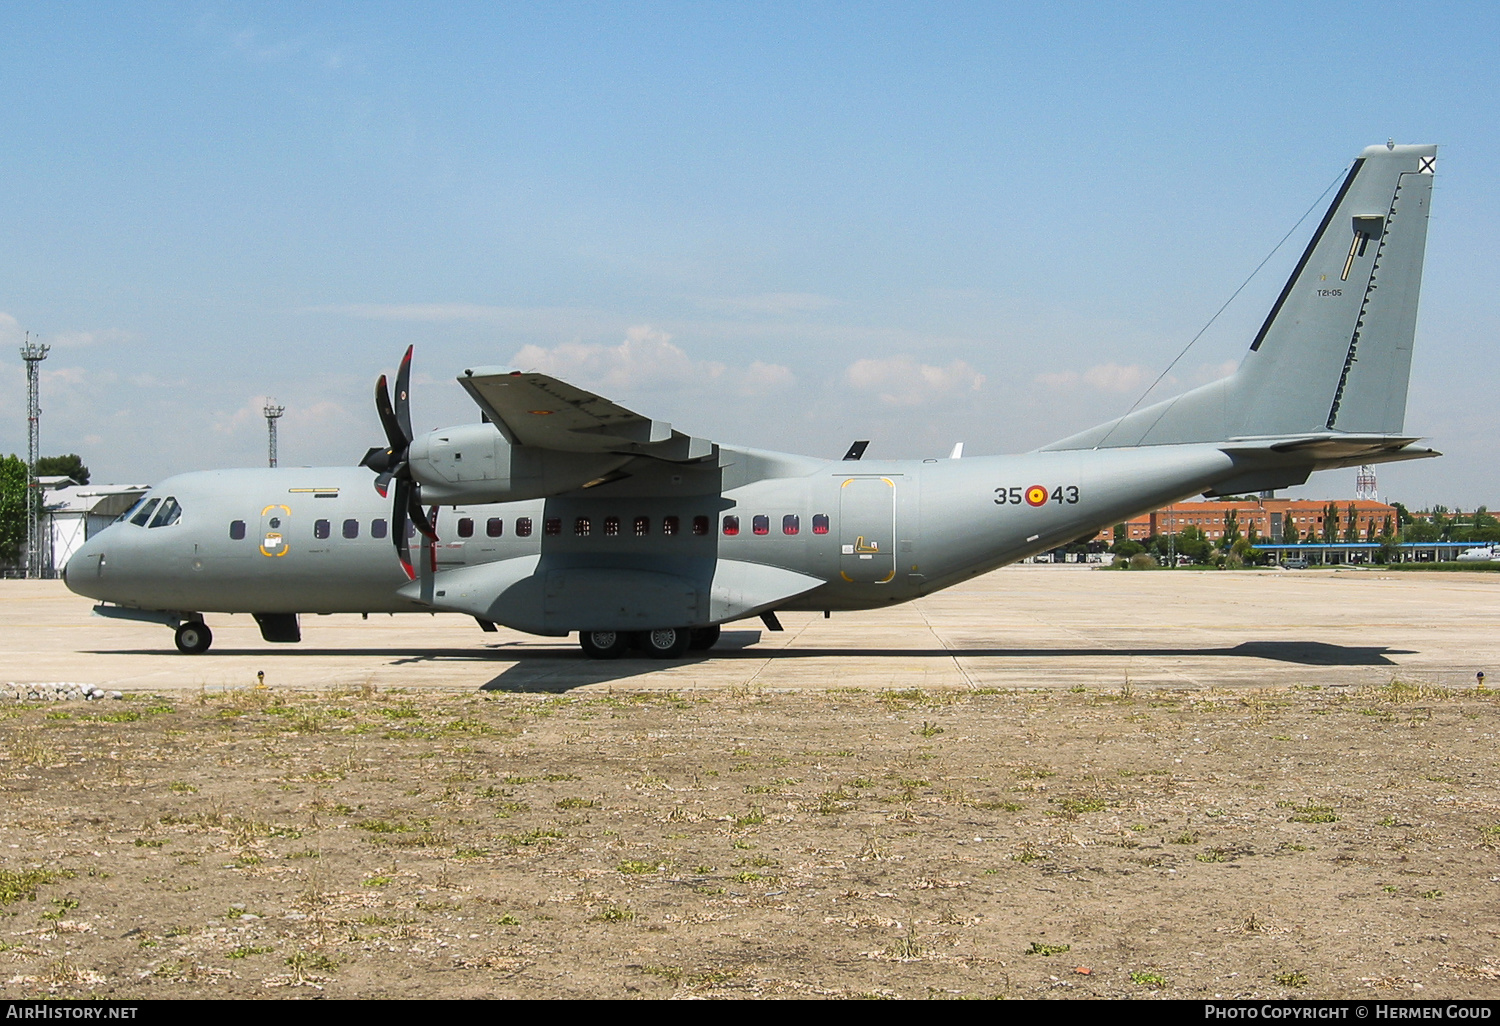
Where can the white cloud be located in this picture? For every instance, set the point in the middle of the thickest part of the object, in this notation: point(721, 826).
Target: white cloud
point(1102, 377)
point(1111, 377)
point(647, 360)
point(901, 381)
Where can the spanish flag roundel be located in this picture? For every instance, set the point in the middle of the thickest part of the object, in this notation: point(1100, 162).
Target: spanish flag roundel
point(1036, 495)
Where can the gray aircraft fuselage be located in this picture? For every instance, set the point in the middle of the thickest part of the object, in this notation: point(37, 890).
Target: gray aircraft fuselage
point(896, 529)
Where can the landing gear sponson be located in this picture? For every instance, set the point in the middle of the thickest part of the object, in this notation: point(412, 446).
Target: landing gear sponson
point(661, 643)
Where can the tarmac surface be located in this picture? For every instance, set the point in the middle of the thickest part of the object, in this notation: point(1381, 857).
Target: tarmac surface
point(1026, 626)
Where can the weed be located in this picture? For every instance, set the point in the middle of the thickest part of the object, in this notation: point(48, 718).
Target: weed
point(1155, 981)
point(507, 920)
point(615, 914)
point(1313, 814)
point(1027, 855)
point(1432, 895)
point(576, 803)
point(1047, 950)
point(633, 867)
point(1186, 837)
point(15, 886)
point(179, 787)
point(754, 817)
point(929, 729)
point(906, 948)
point(1291, 979)
point(246, 952)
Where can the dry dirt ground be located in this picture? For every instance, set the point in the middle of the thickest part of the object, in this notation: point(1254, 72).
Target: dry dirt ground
point(1296, 841)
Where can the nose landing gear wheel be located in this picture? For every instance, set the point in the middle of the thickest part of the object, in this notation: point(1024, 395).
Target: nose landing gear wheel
point(193, 637)
point(665, 642)
point(603, 644)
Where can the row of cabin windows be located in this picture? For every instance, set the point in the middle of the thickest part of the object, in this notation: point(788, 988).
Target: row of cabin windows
point(583, 527)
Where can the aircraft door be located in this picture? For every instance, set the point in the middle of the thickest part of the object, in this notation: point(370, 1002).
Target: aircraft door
point(275, 531)
point(867, 530)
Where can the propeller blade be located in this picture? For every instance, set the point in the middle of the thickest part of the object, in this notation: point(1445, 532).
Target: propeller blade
point(403, 397)
point(388, 421)
point(419, 515)
point(398, 527)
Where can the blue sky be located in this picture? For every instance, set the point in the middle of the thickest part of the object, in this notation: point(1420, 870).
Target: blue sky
point(787, 225)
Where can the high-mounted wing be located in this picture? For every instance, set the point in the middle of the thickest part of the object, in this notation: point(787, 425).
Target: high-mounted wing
point(540, 411)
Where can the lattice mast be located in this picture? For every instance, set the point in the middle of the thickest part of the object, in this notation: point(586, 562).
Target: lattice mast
point(273, 414)
point(1365, 485)
point(33, 353)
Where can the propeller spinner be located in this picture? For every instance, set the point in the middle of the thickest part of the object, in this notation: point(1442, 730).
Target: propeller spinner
point(391, 464)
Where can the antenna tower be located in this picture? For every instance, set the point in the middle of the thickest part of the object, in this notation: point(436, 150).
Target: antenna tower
point(1364, 484)
point(273, 413)
point(33, 354)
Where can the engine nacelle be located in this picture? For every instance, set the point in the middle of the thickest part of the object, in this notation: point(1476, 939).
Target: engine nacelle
point(473, 463)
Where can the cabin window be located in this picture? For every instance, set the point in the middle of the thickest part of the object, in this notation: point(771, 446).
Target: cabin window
point(351, 529)
point(611, 527)
point(322, 529)
point(791, 524)
point(700, 525)
point(820, 523)
point(494, 527)
point(582, 527)
point(169, 513)
point(466, 527)
point(731, 525)
point(523, 527)
point(669, 525)
point(237, 530)
point(145, 514)
point(761, 524)
point(642, 526)
point(377, 528)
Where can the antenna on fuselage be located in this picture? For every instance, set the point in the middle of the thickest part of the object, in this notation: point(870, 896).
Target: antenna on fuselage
point(273, 413)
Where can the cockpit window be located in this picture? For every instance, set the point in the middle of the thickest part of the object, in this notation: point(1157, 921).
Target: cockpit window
point(169, 513)
point(131, 511)
point(145, 513)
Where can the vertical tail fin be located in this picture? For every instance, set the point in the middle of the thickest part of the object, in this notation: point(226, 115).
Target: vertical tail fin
point(1334, 354)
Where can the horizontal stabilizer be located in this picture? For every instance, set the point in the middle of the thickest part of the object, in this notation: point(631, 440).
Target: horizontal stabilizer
point(543, 412)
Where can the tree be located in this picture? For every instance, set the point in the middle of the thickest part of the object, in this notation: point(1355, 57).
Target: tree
point(13, 491)
point(1121, 533)
point(1231, 528)
point(70, 465)
point(1331, 523)
point(1289, 535)
point(1351, 528)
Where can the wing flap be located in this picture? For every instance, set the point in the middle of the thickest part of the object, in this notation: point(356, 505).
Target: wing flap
point(547, 413)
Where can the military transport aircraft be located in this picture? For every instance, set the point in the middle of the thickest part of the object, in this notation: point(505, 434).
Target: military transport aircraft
point(562, 511)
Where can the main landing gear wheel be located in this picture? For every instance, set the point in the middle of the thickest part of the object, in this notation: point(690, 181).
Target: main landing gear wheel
point(665, 642)
point(703, 638)
point(603, 644)
point(193, 637)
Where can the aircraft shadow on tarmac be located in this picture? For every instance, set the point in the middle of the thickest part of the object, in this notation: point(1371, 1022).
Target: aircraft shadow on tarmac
point(557, 670)
point(564, 668)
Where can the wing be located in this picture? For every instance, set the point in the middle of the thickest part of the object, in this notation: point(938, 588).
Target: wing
point(541, 411)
